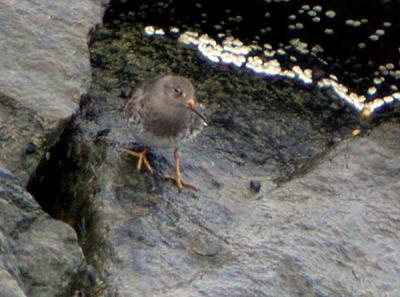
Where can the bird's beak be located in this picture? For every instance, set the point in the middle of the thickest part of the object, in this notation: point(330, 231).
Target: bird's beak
point(191, 104)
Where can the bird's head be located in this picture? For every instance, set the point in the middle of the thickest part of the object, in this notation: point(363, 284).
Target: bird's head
point(179, 93)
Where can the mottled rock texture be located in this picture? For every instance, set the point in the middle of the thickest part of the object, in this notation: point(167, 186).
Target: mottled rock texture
point(40, 256)
point(324, 223)
point(289, 203)
point(44, 69)
point(330, 230)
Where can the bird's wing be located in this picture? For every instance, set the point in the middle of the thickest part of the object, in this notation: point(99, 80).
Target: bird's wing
point(135, 105)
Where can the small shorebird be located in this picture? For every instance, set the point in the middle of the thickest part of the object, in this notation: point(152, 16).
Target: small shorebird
point(163, 113)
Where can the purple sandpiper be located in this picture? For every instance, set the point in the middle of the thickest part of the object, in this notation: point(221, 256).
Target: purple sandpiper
point(163, 113)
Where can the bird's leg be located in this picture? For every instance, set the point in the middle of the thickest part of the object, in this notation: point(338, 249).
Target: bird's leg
point(177, 178)
point(142, 159)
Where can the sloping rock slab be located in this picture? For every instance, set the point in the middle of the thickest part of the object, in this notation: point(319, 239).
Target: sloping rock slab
point(39, 256)
point(323, 223)
point(330, 231)
point(44, 69)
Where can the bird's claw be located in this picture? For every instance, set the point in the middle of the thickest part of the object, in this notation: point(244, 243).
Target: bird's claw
point(142, 159)
point(179, 182)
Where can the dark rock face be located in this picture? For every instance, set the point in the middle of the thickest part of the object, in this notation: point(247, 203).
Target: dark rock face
point(39, 255)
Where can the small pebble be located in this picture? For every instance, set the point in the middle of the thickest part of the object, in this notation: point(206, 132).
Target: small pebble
point(255, 186)
point(356, 132)
point(126, 92)
point(2, 191)
point(366, 112)
point(103, 132)
point(91, 275)
point(31, 148)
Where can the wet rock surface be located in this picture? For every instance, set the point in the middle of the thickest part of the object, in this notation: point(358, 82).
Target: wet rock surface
point(39, 255)
point(289, 202)
point(323, 223)
point(44, 66)
point(44, 69)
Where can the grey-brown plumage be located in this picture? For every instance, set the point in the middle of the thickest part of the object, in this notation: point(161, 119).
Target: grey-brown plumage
point(158, 113)
point(163, 113)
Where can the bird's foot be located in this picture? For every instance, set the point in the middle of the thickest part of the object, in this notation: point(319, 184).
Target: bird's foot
point(179, 182)
point(142, 159)
point(177, 178)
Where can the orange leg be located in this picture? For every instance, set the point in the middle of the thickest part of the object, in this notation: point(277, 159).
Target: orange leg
point(177, 178)
point(142, 159)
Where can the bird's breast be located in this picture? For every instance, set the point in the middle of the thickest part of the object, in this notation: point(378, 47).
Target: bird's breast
point(167, 123)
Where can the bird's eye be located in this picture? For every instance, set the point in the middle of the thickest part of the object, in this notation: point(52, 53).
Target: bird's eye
point(178, 91)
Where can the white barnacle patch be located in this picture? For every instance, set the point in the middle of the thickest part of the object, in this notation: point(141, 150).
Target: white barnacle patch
point(305, 76)
point(268, 53)
point(272, 68)
point(255, 64)
point(376, 104)
point(317, 49)
point(267, 46)
point(388, 99)
point(387, 24)
point(372, 91)
point(288, 74)
point(378, 80)
point(212, 53)
point(349, 22)
point(230, 58)
point(317, 8)
point(159, 32)
point(330, 14)
point(149, 30)
point(174, 30)
point(281, 51)
point(373, 37)
point(383, 69)
point(328, 31)
point(395, 74)
point(362, 45)
point(189, 37)
point(333, 77)
point(205, 39)
point(353, 23)
point(235, 46)
point(260, 59)
point(299, 26)
point(312, 13)
point(299, 45)
point(390, 66)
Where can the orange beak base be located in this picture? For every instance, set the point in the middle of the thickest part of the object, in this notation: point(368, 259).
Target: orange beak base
point(191, 104)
